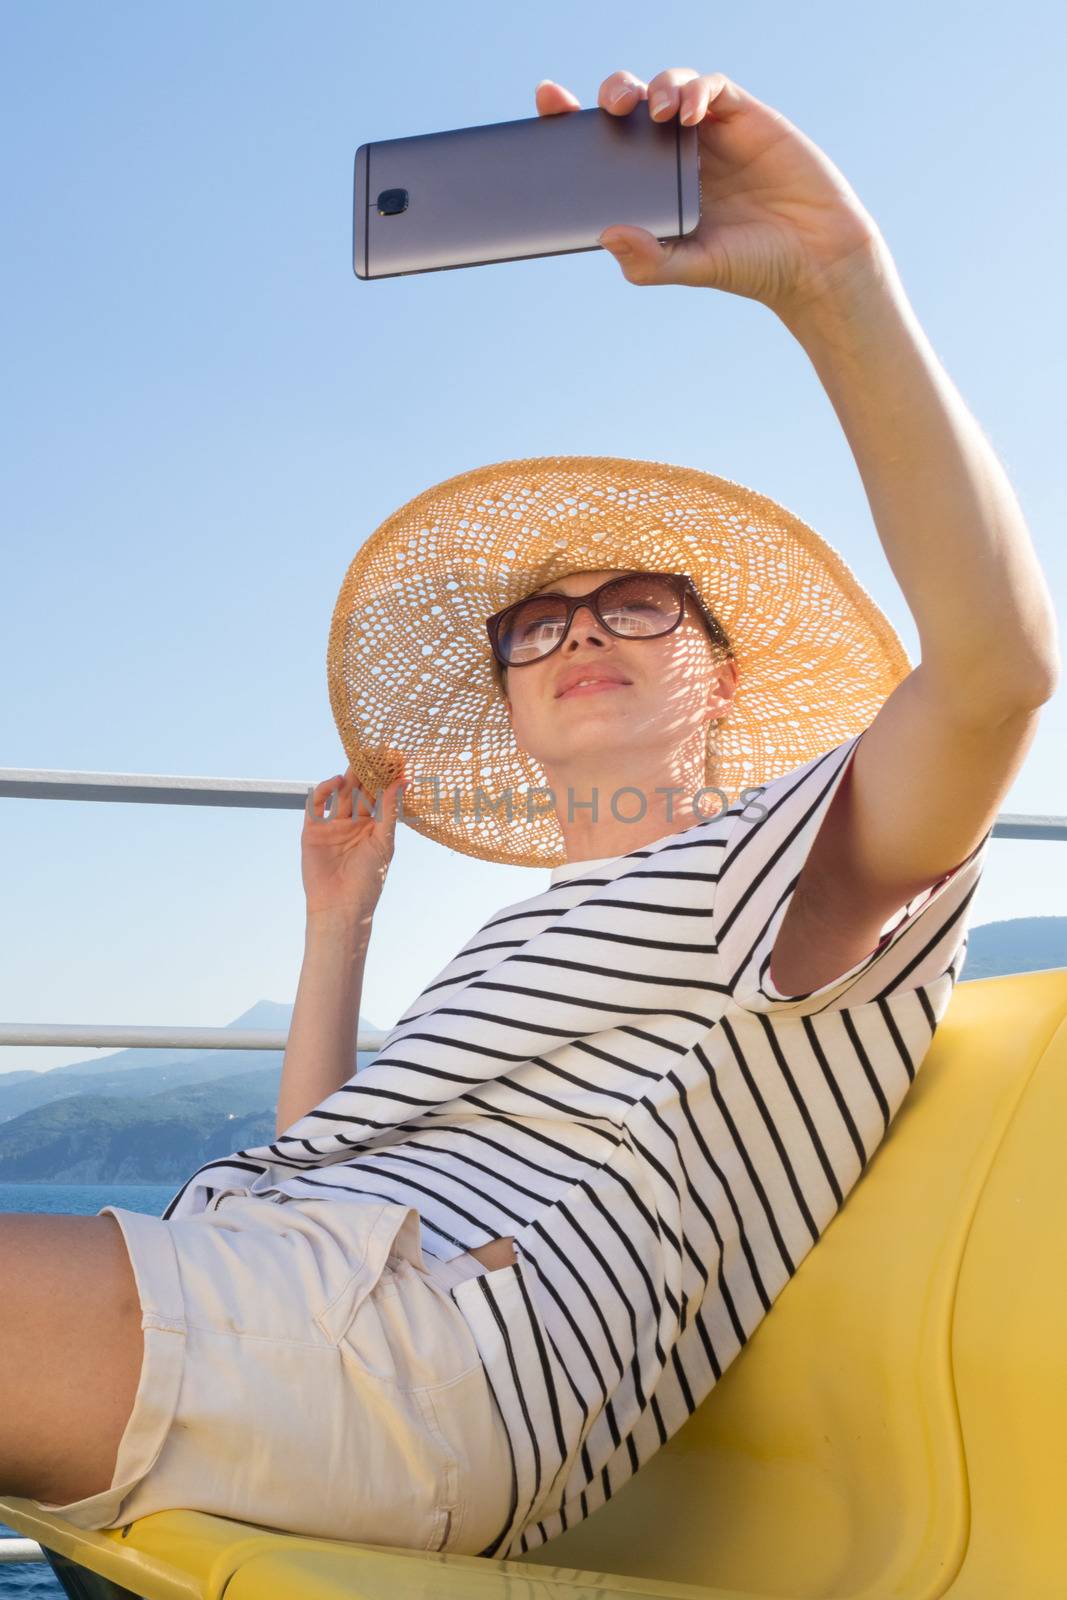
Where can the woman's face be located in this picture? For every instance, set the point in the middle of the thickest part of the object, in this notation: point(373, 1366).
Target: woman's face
point(661, 693)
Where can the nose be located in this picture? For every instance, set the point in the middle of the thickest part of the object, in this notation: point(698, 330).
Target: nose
point(591, 617)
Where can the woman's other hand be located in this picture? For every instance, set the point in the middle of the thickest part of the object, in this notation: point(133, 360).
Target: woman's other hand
point(779, 223)
point(345, 857)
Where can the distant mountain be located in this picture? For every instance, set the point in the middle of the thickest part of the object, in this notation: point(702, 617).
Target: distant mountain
point(144, 1116)
point(1018, 944)
point(158, 1138)
point(135, 1074)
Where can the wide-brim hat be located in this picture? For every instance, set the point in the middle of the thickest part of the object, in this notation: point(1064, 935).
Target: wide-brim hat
point(410, 667)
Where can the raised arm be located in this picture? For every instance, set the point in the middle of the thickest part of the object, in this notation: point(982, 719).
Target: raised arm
point(934, 767)
point(780, 224)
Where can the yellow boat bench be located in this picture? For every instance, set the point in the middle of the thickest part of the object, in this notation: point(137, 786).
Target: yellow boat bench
point(897, 1426)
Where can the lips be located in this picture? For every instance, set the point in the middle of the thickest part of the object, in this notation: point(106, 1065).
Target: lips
point(600, 680)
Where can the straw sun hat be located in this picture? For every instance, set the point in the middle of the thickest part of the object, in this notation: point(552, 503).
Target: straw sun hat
point(410, 667)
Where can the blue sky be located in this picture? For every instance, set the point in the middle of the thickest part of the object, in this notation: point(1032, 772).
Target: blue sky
point(205, 414)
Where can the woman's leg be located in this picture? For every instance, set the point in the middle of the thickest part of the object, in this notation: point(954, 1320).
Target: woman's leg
point(70, 1354)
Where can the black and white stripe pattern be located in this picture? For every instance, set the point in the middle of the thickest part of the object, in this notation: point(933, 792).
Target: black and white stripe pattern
point(606, 1073)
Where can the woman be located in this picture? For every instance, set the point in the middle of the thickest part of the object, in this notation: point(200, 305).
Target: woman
point(600, 1143)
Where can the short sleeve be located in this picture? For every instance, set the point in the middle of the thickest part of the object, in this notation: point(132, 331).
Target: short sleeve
point(766, 848)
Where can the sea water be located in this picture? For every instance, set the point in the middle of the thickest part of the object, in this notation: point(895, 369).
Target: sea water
point(32, 1580)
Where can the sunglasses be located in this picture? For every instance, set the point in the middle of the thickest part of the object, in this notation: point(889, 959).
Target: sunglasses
point(637, 605)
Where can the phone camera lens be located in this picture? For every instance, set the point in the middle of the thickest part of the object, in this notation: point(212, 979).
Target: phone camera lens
point(390, 201)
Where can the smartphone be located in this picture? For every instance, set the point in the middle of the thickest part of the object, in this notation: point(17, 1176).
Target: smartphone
point(510, 191)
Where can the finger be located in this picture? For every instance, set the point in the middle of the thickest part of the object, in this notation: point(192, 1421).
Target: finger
point(390, 806)
point(356, 801)
point(346, 788)
point(694, 95)
point(693, 102)
point(620, 93)
point(716, 96)
point(640, 255)
point(552, 98)
point(332, 796)
point(665, 91)
point(318, 797)
point(366, 805)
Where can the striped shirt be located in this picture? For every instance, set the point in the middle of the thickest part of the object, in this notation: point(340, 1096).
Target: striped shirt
point(606, 1072)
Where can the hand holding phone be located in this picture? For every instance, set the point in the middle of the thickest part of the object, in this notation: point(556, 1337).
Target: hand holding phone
point(511, 191)
point(757, 208)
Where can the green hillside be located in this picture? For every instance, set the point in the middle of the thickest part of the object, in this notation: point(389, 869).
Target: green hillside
point(160, 1138)
point(140, 1073)
point(141, 1115)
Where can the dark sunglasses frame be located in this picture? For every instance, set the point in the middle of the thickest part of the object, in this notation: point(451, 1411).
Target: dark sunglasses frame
point(680, 582)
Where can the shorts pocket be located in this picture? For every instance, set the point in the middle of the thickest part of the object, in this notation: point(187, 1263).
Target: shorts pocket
point(369, 1250)
point(410, 1333)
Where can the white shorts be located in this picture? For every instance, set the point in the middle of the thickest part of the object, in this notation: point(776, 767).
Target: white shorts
point(306, 1369)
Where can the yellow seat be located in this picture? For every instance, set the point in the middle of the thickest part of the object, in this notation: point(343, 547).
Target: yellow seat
point(897, 1426)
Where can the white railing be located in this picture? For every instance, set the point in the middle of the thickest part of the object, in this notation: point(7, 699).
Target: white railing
point(14, 1551)
point(104, 1035)
point(25, 783)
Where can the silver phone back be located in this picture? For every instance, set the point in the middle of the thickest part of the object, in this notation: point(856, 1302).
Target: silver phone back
point(510, 191)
